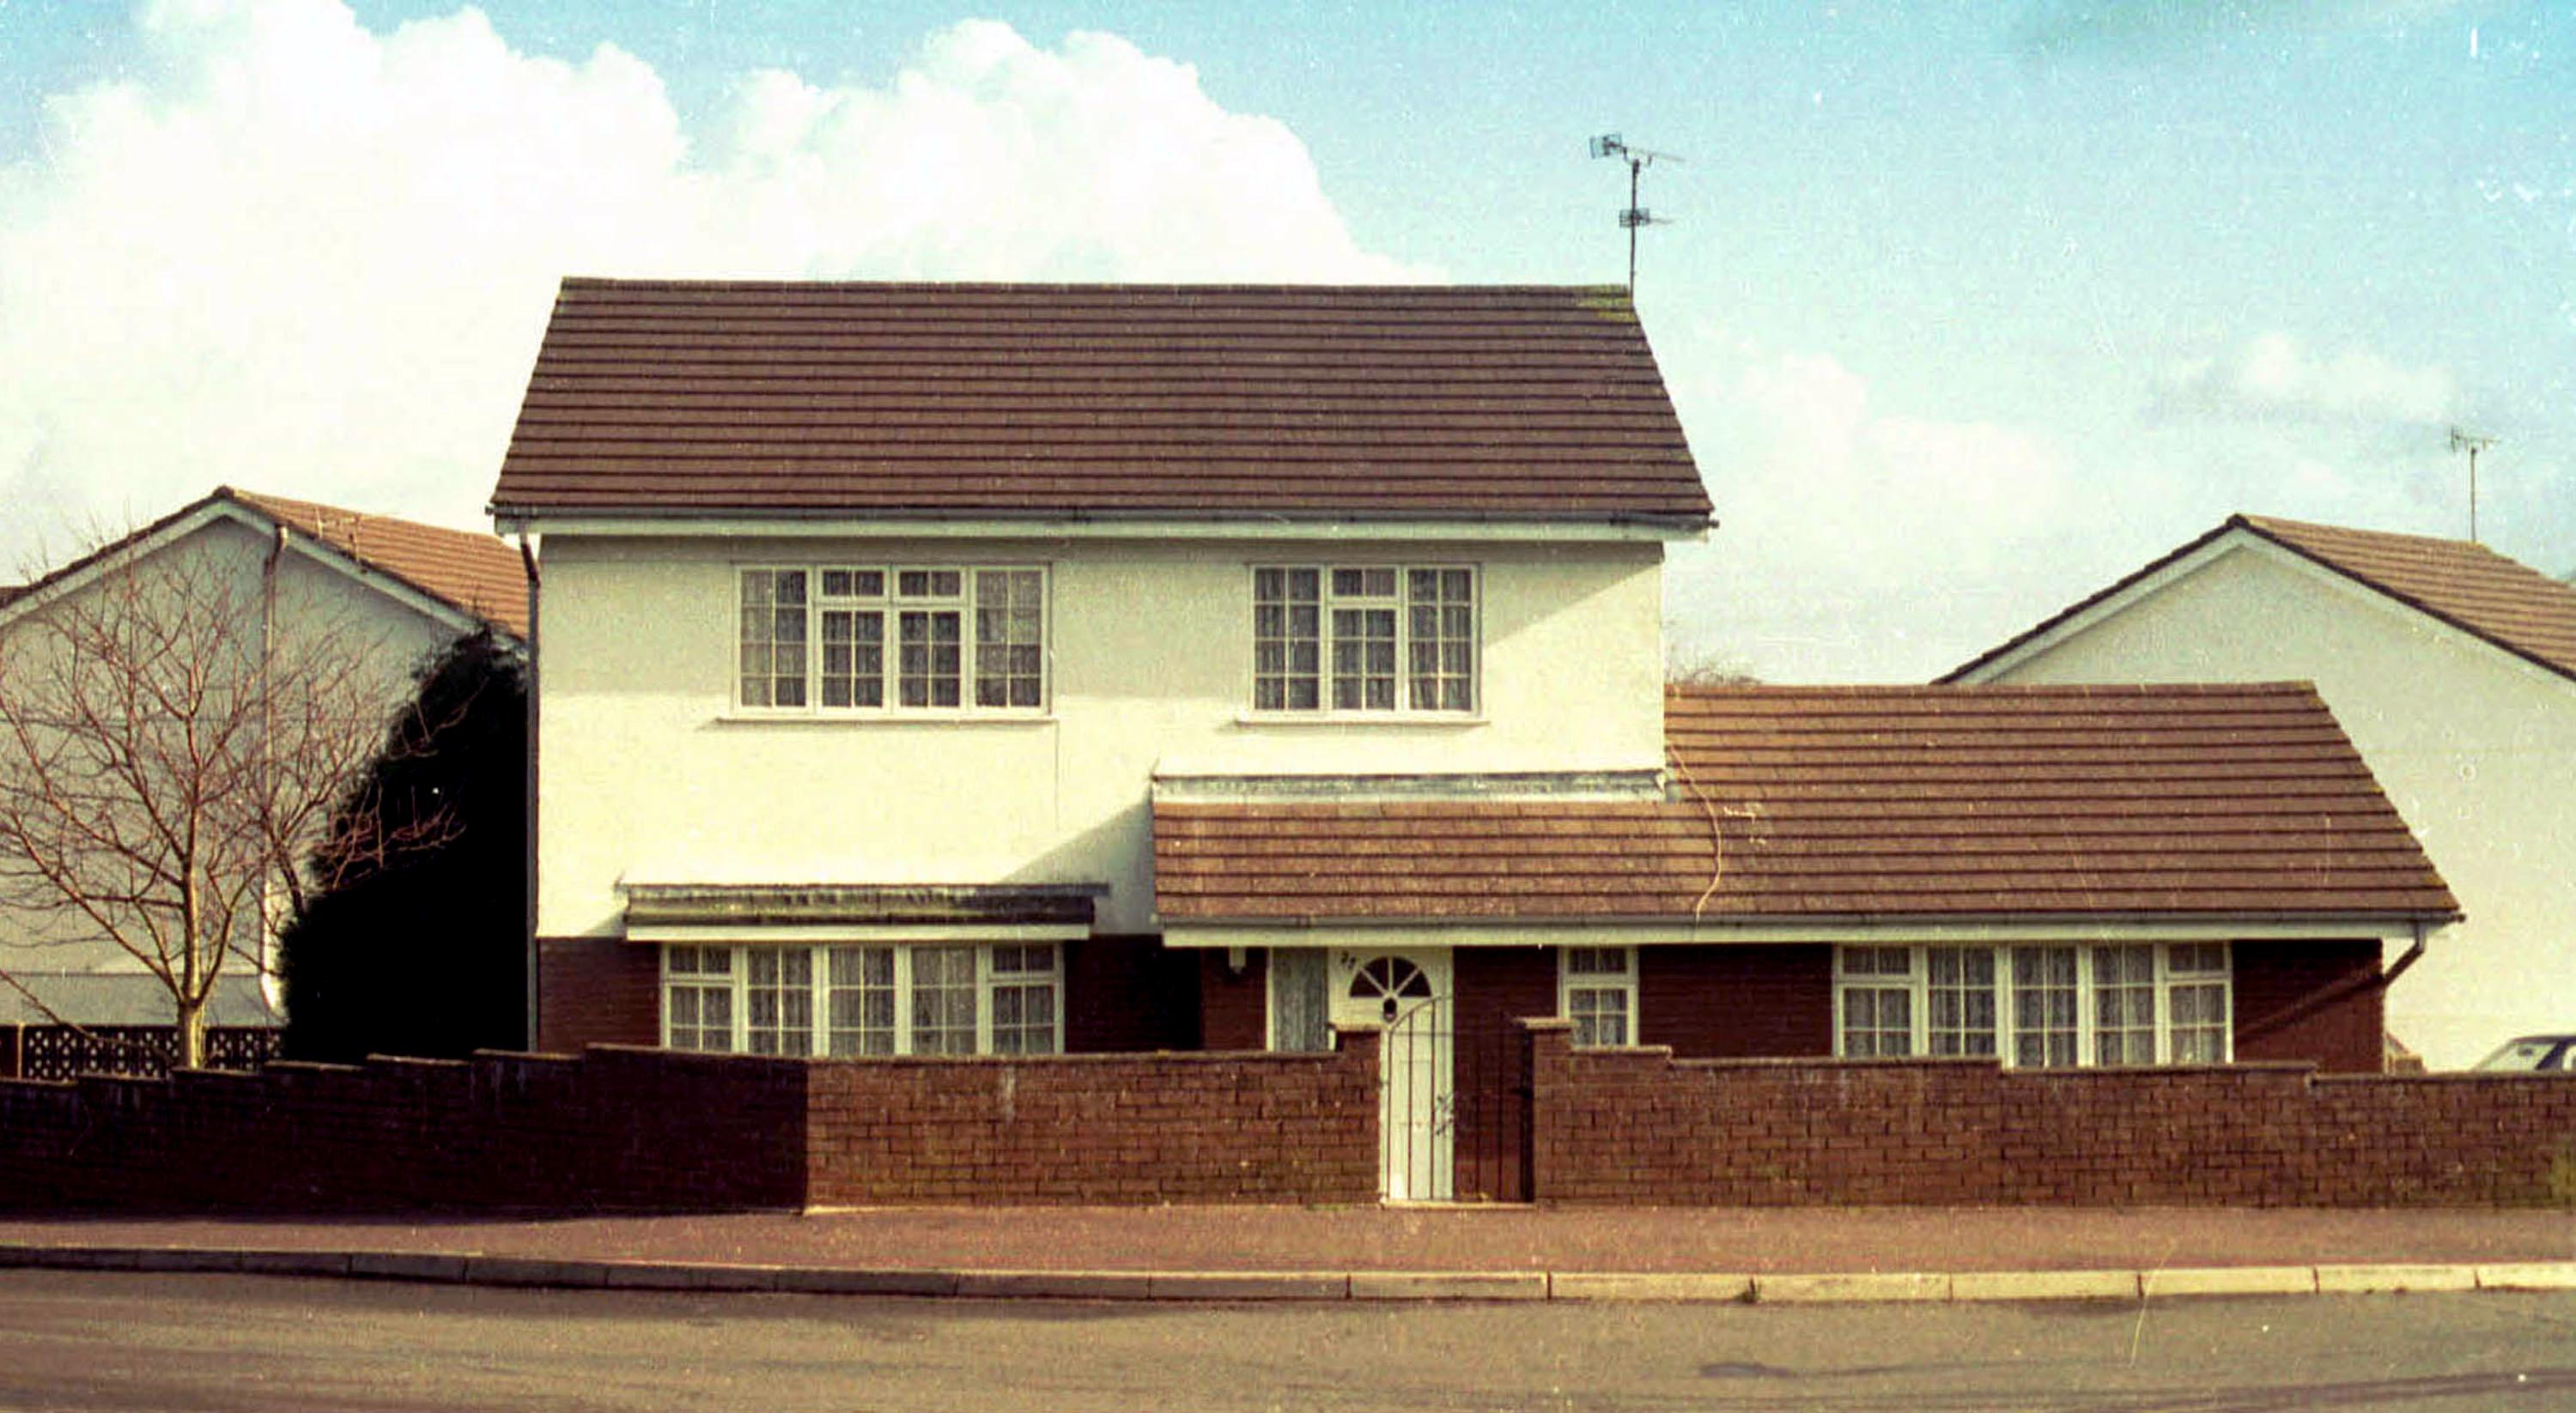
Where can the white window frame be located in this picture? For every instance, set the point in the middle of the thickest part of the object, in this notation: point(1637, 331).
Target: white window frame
point(1400, 602)
point(890, 605)
point(1624, 982)
point(1916, 983)
point(820, 1022)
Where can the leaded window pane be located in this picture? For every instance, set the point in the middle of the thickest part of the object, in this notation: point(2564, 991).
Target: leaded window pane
point(1299, 1006)
point(1960, 1015)
point(943, 1000)
point(1441, 620)
point(861, 1001)
point(770, 638)
point(2044, 1006)
point(2124, 1005)
point(929, 658)
point(1009, 633)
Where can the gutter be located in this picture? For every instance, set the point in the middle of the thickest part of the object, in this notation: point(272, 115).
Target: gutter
point(528, 806)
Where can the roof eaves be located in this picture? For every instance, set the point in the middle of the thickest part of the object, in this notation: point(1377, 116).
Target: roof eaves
point(1696, 522)
point(1719, 922)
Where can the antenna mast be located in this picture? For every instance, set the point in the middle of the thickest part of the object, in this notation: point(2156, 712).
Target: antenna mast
point(2472, 443)
point(1638, 160)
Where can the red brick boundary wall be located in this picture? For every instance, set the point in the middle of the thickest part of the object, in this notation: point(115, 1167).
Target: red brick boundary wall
point(1116, 1129)
point(626, 1128)
point(1639, 1127)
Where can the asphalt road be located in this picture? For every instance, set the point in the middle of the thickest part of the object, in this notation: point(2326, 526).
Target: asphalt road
point(97, 1341)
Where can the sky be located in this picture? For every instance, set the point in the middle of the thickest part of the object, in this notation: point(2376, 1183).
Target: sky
point(1968, 307)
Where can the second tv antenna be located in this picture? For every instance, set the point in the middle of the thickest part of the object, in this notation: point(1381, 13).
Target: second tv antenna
point(1638, 160)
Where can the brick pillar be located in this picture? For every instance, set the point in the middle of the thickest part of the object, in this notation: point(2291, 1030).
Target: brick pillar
point(1359, 1058)
point(1551, 1099)
point(13, 1045)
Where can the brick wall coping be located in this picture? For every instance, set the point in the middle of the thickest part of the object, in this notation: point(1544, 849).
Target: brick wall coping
point(1190, 1057)
point(2451, 1077)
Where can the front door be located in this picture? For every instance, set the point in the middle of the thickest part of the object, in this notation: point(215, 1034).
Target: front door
point(1409, 994)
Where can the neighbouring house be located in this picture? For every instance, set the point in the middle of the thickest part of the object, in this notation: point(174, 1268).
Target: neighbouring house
point(2454, 670)
point(1007, 670)
point(386, 587)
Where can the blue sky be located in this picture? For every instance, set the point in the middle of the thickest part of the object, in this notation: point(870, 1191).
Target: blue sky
point(1968, 307)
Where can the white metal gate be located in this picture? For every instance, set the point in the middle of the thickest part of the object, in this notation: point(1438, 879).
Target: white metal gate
point(1409, 994)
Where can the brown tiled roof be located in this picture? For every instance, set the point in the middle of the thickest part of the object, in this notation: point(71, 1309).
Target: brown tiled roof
point(680, 398)
point(2157, 802)
point(469, 570)
point(2461, 583)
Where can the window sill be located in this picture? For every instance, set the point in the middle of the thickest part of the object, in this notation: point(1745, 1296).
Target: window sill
point(889, 718)
point(1376, 719)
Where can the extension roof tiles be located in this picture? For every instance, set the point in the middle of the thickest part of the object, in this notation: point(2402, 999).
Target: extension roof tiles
point(1198, 402)
point(2458, 582)
point(1860, 804)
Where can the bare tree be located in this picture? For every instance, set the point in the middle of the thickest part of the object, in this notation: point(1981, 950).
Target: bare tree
point(175, 728)
point(1705, 670)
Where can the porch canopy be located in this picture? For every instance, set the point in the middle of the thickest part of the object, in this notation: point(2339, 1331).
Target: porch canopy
point(1927, 813)
point(779, 912)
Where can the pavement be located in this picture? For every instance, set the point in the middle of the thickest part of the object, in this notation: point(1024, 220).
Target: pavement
point(1374, 1253)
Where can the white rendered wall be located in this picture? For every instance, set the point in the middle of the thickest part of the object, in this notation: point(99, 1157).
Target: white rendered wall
point(2476, 748)
point(646, 774)
point(80, 974)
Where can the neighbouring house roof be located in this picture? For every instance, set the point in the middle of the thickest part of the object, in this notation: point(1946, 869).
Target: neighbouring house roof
point(1145, 401)
point(476, 575)
point(2459, 582)
point(471, 570)
point(1862, 803)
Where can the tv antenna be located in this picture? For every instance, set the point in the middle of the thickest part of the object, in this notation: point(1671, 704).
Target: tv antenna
point(1638, 160)
point(2472, 443)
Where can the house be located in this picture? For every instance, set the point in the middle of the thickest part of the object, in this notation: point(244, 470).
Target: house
point(388, 588)
point(2454, 670)
point(972, 670)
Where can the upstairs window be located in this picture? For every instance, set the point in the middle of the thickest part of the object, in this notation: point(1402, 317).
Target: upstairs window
point(833, 638)
point(1364, 638)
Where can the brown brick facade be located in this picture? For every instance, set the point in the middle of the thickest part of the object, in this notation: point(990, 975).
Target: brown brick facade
point(1130, 994)
point(2314, 1001)
point(1638, 1126)
point(1234, 1004)
point(1736, 1002)
point(655, 1130)
point(597, 991)
point(1496, 986)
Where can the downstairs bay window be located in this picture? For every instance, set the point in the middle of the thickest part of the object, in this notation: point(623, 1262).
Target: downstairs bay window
point(864, 999)
point(2144, 1003)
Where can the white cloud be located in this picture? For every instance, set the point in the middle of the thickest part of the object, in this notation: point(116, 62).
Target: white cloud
point(1855, 541)
point(306, 257)
point(2272, 377)
point(2132, 27)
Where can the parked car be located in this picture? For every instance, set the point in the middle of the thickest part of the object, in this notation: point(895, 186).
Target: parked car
point(2544, 1054)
